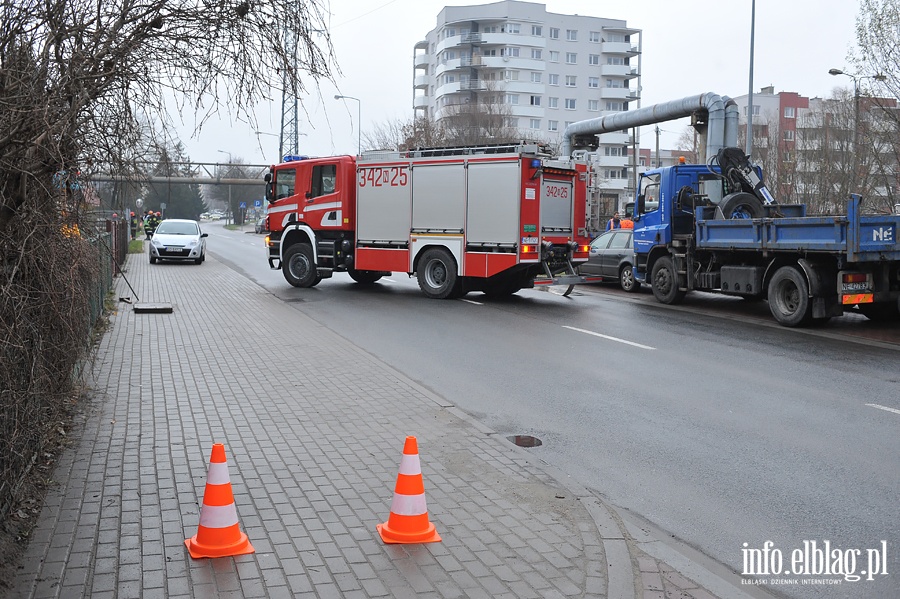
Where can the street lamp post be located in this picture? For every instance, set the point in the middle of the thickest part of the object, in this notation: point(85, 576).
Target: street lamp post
point(358, 120)
point(227, 212)
point(856, 79)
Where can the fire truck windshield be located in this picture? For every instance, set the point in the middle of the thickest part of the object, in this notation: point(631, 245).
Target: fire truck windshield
point(285, 180)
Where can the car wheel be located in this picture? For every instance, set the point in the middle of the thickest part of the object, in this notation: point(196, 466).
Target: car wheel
point(626, 279)
point(152, 260)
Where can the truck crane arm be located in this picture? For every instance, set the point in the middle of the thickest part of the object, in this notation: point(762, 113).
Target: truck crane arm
point(738, 169)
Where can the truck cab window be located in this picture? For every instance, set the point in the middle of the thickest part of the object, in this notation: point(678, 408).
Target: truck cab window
point(649, 193)
point(285, 180)
point(323, 178)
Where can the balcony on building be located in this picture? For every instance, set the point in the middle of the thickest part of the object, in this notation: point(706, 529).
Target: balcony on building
point(623, 48)
point(421, 81)
point(625, 71)
point(618, 93)
point(420, 102)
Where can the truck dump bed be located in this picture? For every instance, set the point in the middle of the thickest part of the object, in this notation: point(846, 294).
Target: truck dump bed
point(861, 238)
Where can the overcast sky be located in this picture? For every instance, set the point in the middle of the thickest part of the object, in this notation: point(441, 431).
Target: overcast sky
point(689, 47)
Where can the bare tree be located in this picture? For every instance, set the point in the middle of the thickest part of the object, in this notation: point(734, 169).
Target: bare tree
point(78, 75)
point(421, 132)
point(877, 58)
point(84, 84)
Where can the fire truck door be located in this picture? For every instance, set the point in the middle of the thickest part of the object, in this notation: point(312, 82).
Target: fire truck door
point(323, 206)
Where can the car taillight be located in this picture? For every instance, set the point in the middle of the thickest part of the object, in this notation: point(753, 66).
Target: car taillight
point(528, 249)
point(854, 278)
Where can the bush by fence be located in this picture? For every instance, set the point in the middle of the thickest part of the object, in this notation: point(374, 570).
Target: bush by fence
point(54, 277)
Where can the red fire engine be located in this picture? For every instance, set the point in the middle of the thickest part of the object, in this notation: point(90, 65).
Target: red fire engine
point(494, 219)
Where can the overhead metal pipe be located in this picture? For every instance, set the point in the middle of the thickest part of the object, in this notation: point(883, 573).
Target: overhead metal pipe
point(713, 131)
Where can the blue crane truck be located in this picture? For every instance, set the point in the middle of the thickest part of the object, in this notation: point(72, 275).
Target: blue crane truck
point(716, 228)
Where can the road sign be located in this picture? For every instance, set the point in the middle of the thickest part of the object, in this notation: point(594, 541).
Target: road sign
point(243, 205)
point(257, 203)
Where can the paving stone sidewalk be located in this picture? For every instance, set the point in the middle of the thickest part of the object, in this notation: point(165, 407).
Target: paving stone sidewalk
point(313, 429)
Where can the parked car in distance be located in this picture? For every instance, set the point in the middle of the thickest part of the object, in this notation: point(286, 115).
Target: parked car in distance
point(612, 257)
point(260, 226)
point(178, 239)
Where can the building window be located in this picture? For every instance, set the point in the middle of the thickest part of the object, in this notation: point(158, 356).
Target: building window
point(593, 81)
point(535, 101)
point(535, 54)
point(553, 79)
point(535, 123)
point(449, 32)
point(593, 105)
point(553, 125)
point(511, 75)
point(593, 59)
point(613, 83)
point(755, 110)
point(615, 60)
point(512, 28)
point(570, 104)
point(788, 135)
point(554, 33)
point(572, 35)
point(554, 56)
point(512, 98)
point(614, 151)
point(511, 51)
point(552, 102)
point(615, 106)
point(571, 57)
point(537, 31)
point(570, 80)
point(789, 112)
point(594, 36)
point(512, 122)
point(535, 77)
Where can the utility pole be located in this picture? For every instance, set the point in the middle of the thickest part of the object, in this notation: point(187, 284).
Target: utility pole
point(657, 147)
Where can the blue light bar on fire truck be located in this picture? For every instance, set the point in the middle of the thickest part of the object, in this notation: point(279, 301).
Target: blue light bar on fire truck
point(294, 158)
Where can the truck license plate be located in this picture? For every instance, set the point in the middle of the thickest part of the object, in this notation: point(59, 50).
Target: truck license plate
point(861, 286)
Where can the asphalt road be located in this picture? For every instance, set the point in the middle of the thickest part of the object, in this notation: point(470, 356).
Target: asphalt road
point(709, 420)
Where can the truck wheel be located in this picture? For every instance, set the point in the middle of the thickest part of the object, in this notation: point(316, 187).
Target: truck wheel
point(789, 297)
point(364, 277)
point(298, 267)
point(742, 205)
point(665, 282)
point(626, 279)
point(437, 274)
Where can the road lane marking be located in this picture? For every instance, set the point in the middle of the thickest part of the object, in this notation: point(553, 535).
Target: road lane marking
point(468, 301)
point(608, 337)
point(885, 408)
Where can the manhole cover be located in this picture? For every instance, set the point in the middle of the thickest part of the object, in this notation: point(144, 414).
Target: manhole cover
point(525, 440)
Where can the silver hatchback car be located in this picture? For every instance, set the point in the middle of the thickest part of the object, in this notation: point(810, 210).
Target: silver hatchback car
point(178, 239)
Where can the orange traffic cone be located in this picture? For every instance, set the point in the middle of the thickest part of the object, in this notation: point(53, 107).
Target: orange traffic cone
point(408, 521)
point(218, 534)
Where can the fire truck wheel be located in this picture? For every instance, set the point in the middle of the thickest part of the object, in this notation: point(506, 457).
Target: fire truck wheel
point(665, 282)
point(437, 274)
point(789, 297)
point(364, 277)
point(298, 266)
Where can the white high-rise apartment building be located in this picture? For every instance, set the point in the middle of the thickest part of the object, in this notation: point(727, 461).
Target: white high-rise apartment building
point(549, 69)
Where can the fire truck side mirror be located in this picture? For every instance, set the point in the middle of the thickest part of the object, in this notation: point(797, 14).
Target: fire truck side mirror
point(268, 177)
point(640, 205)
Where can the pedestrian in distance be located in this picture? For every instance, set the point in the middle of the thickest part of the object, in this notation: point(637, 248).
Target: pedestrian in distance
point(134, 225)
point(614, 222)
